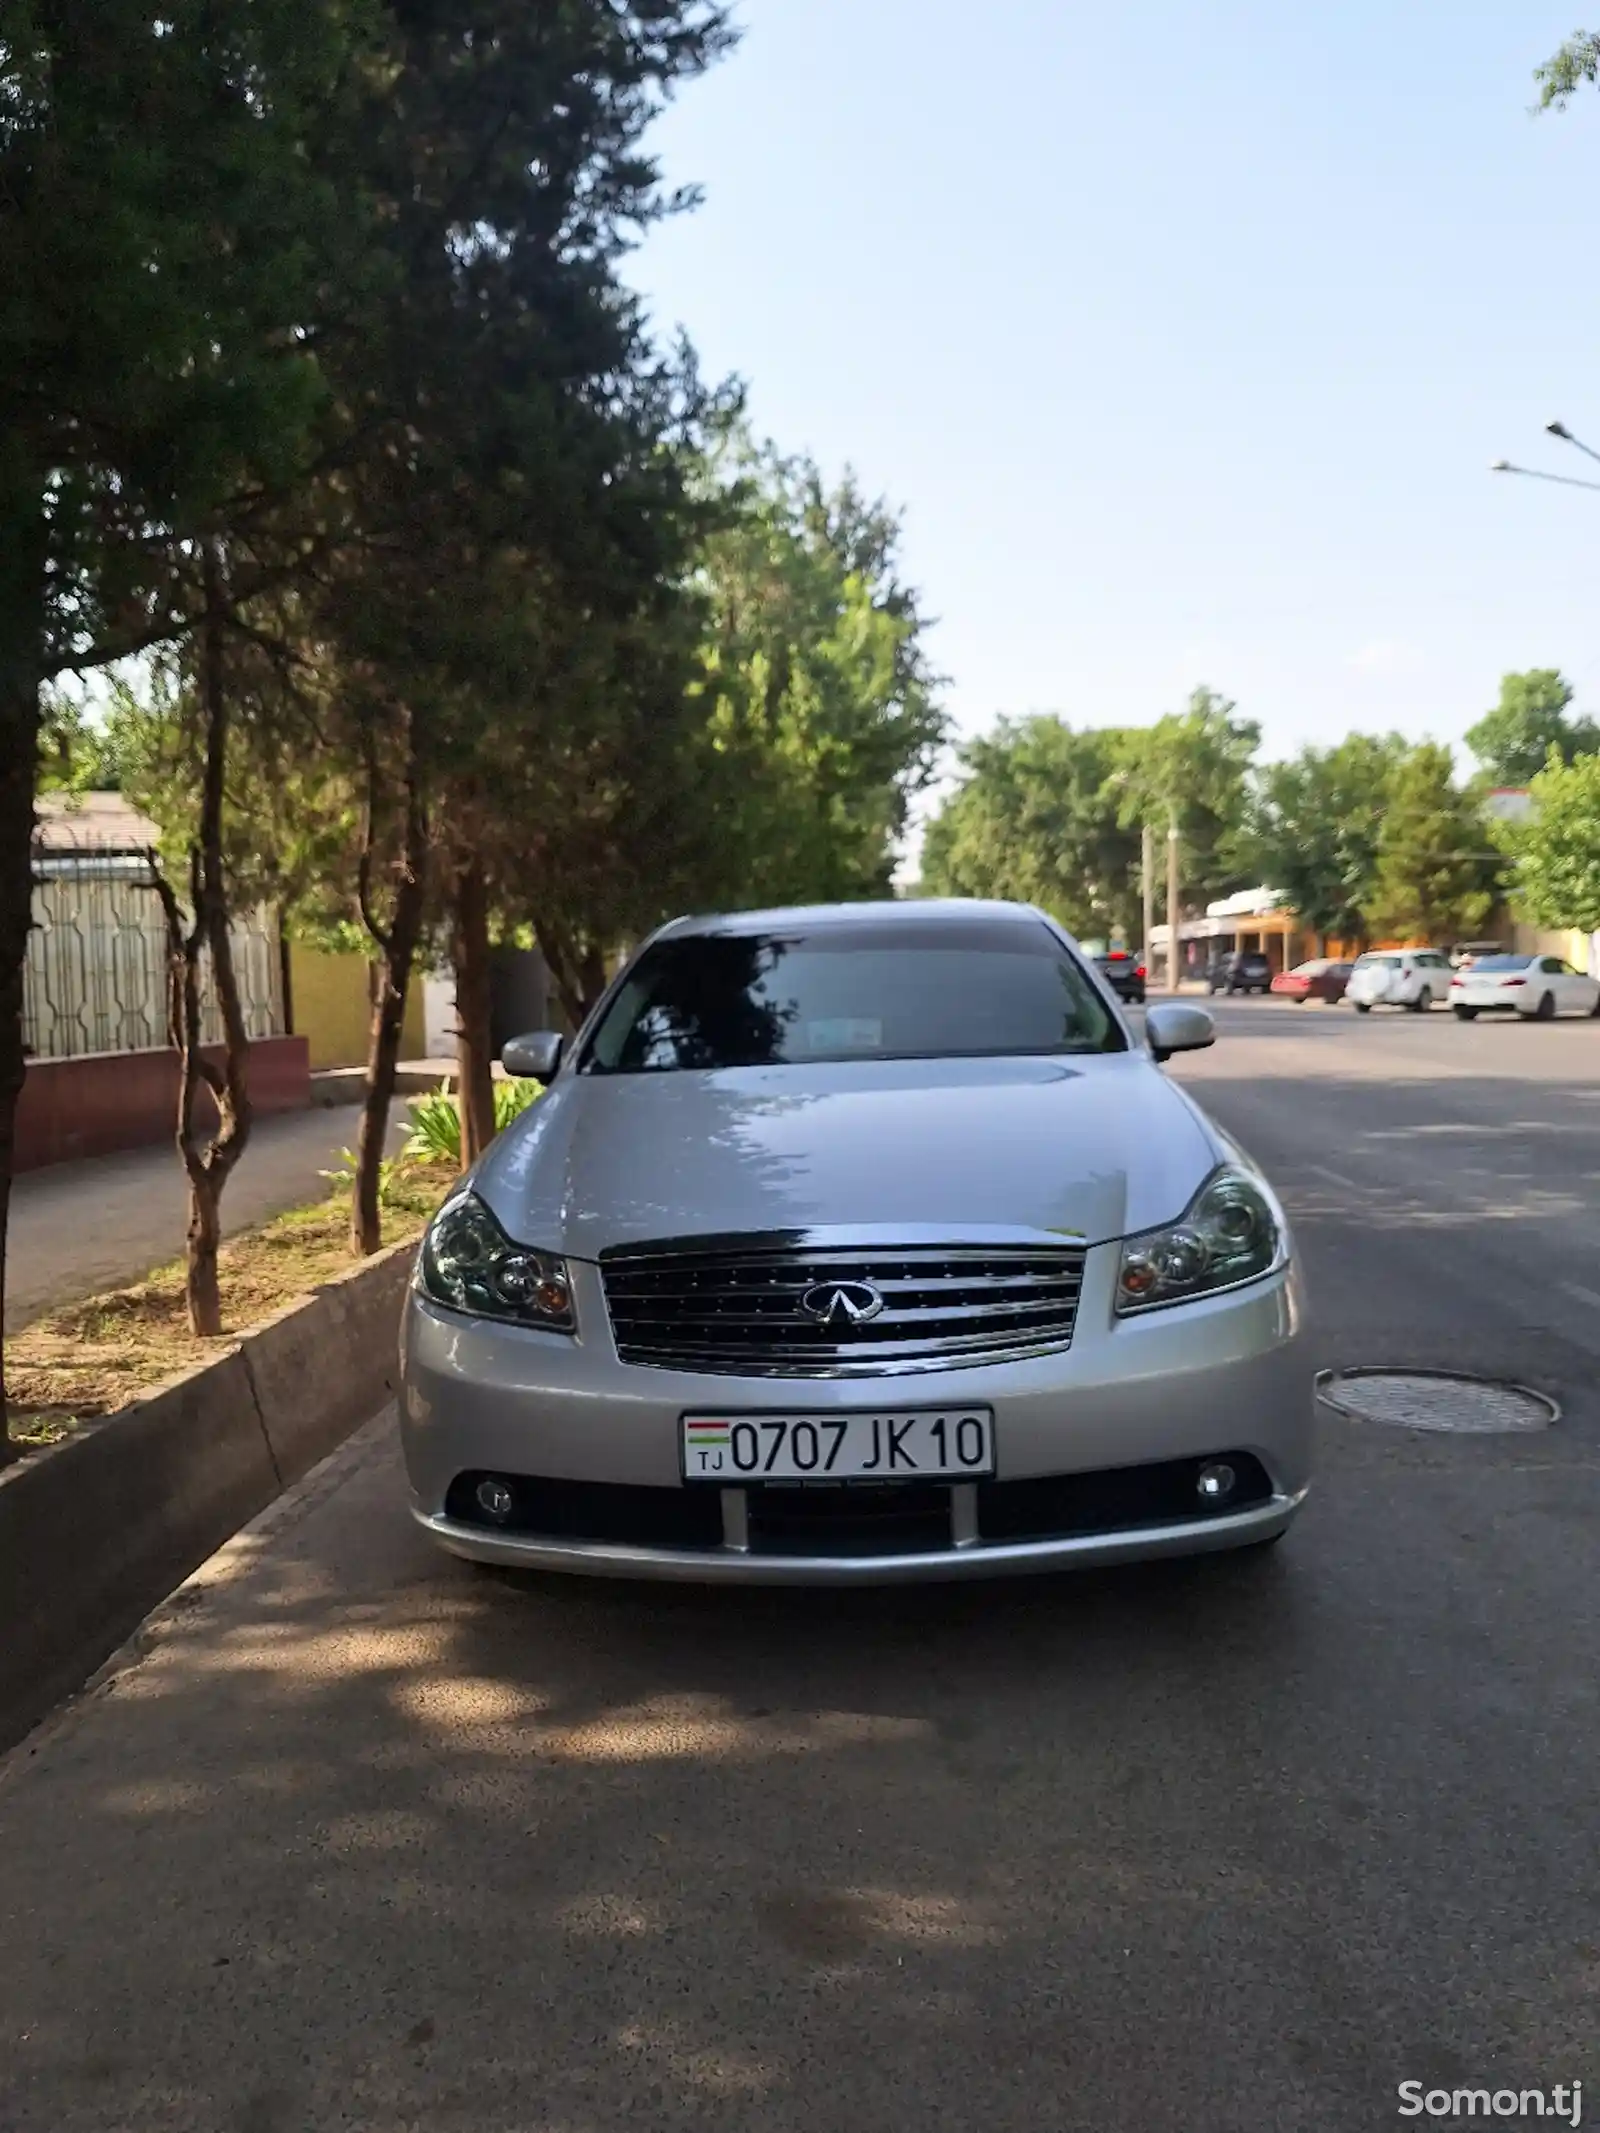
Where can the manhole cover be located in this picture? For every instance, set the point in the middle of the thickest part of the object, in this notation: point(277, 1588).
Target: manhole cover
point(1434, 1399)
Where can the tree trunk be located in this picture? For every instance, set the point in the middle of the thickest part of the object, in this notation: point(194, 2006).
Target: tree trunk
point(21, 651)
point(562, 965)
point(398, 944)
point(203, 1233)
point(594, 979)
point(209, 1168)
point(207, 1163)
point(474, 1015)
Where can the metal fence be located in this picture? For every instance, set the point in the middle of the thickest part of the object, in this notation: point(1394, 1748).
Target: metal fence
point(95, 979)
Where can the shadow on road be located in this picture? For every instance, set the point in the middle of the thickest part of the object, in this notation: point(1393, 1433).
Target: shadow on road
point(368, 1838)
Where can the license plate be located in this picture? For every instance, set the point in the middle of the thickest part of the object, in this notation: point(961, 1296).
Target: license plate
point(928, 1444)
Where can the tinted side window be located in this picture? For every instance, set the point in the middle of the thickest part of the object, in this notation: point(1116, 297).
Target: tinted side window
point(1554, 965)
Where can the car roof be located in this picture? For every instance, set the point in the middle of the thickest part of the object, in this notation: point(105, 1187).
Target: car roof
point(954, 911)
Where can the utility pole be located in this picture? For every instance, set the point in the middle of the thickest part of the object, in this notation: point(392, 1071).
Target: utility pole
point(1147, 889)
point(1173, 964)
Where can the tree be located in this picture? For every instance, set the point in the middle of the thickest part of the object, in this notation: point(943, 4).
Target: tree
point(1514, 740)
point(1437, 876)
point(1557, 849)
point(1316, 831)
point(1037, 819)
point(161, 235)
point(1561, 76)
point(1193, 767)
point(499, 457)
point(818, 687)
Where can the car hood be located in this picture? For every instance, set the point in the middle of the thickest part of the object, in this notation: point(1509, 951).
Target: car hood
point(1095, 1148)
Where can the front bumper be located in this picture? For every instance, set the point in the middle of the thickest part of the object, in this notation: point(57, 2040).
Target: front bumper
point(1262, 1522)
point(1227, 1374)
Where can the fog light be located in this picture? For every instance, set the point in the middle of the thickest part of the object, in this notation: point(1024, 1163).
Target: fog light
point(496, 1501)
point(1214, 1483)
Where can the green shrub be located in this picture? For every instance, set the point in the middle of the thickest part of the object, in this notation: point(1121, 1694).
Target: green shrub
point(512, 1098)
point(436, 1119)
point(435, 1128)
point(390, 1179)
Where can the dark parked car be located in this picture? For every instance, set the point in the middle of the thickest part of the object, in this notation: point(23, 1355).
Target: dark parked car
point(1317, 980)
point(1123, 973)
point(1247, 971)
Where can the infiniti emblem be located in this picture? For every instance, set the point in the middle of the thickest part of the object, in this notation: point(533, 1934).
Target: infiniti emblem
point(833, 1303)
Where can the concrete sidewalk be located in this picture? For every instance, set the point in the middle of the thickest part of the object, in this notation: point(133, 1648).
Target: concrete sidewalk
point(80, 1227)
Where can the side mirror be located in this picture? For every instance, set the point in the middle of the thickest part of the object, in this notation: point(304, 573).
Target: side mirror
point(534, 1058)
point(1175, 1027)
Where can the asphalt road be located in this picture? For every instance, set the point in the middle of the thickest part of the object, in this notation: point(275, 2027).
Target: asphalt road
point(77, 1228)
point(361, 1839)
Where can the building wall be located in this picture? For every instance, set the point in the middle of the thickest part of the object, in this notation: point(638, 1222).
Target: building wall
point(71, 1108)
point(1572, 947)
point(330, 1001)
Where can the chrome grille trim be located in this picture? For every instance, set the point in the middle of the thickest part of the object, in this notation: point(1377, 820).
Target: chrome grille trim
point(730, 1306)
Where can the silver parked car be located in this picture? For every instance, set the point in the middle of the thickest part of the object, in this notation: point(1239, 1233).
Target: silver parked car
point(866, 1242)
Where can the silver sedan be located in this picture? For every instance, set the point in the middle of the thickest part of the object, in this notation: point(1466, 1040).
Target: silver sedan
point(859, 1243)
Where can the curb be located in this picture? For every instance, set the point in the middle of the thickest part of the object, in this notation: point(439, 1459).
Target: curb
point(97, 1531)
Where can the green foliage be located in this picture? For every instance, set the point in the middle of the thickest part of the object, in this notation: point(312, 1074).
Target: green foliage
point(512, 1098)
point(1561, 76)
point(1317, 826)
point(435, 1127)
point(436, 1119)
point(1514, 740)
point(391, 1172)
point(1194, 766)
point(1557, 849)
point(166, 232)
point(1037, 819)
point(1437, 876)
point(822, 707)
point(1051, 815)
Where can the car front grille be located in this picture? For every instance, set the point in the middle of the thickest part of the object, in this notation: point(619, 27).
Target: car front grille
point(764, 1312)
point(909, 1519)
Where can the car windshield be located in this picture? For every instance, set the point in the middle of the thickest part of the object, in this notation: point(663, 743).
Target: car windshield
point(1309, 970)
point(1378, 962)
point(1501, 962)
point(899, 991)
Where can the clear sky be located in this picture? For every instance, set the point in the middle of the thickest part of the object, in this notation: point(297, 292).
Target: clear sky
point(1183, 334)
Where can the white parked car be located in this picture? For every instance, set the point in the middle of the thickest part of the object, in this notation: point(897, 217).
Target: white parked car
point(1536, 986)
point(1412, 978)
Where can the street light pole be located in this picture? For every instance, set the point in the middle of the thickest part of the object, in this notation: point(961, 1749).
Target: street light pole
point(1559, 429)
point(1147, 890)
point(1567, 481)
point(1172, 904)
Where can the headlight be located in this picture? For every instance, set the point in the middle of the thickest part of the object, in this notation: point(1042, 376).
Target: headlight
point(469, 1263)
point(1231, 1234)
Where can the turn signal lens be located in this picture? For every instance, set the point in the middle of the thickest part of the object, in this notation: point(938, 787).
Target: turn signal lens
point(1232, 1234)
